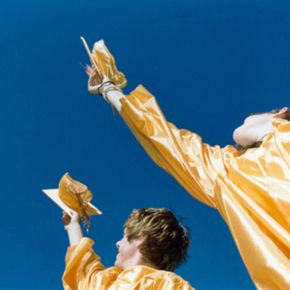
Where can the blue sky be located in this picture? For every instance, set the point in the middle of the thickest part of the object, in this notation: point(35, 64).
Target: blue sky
point(209, 63)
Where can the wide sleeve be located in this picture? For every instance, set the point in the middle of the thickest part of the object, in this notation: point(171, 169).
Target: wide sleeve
point(83, 268)
point(194, 164)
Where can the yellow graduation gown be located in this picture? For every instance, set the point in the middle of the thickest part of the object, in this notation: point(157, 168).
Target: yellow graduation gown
point(251, 191)
point(85, 271)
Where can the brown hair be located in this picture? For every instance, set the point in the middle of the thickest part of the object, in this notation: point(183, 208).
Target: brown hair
point(286, 115)
point(166, 239)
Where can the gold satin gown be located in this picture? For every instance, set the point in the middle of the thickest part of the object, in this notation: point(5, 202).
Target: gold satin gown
point(251, 191)
point(85, 271)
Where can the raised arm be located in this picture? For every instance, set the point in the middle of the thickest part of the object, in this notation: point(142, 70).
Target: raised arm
point(73, 228)
point(83, 268)
point(194, 164)
point(98, 86)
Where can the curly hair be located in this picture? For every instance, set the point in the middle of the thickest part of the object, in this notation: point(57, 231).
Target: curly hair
point(166, 239)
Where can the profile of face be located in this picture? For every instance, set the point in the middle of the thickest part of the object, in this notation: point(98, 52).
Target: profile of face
point(256, 127)
point(128, 252)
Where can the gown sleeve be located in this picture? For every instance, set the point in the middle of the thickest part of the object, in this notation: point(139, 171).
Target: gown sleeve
point(250, 190)
point(84, 269)
point(194, 164)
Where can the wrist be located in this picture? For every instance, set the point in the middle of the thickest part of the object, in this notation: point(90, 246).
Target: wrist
point(74, 232)
point(72, 225)
point(108, 87)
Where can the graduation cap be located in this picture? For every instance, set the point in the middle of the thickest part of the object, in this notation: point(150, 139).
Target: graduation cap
point(73, 197)
point(104, 62)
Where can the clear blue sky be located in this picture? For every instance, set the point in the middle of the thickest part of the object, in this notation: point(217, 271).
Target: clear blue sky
point(208, 62)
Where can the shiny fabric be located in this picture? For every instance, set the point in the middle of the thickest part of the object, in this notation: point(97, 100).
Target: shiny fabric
point(107, 65)
point(76, 196)
point(251, 191)
point(85, 271)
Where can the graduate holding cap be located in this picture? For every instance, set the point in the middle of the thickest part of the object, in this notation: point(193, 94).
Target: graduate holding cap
point(153, 245)
point(248, 185)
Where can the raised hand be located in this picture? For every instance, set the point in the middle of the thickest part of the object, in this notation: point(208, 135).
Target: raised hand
point(96, 81)
point(67, 220)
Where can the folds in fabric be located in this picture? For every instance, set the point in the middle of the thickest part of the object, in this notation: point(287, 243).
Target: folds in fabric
point(85, 271)
point(77, 196)
point(107, 65)
point(251, 191)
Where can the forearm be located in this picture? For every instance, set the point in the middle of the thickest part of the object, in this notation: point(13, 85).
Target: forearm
point(112, 94)
point(74, 232)
point(114, 98)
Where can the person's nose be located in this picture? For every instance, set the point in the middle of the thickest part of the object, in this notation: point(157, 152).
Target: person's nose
point(118, 244)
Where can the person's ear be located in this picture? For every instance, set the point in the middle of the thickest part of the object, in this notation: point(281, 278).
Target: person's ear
point(140, 241)
point(281, 113)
